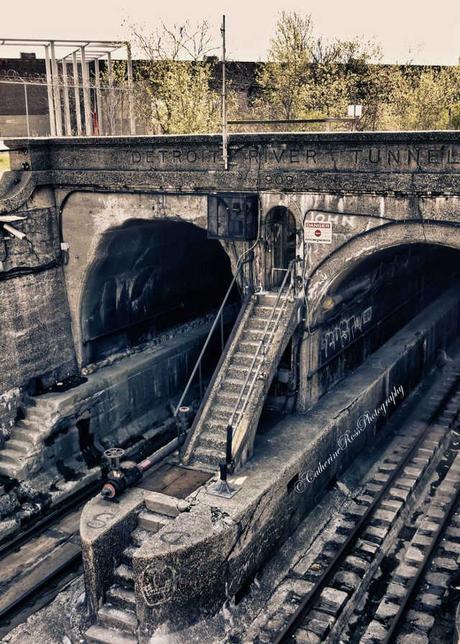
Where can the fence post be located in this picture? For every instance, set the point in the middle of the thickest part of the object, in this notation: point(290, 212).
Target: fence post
point(27, 109)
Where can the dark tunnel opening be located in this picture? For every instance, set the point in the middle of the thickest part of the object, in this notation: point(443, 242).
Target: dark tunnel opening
point(362, 310)
point(374, 300)
point(150, 276)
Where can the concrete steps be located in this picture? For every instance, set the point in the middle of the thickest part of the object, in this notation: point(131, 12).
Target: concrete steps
point(152, 522)
point(100, 635)
point(116, 619)
point(26, 439)
point(121, 598)
point(238, 372)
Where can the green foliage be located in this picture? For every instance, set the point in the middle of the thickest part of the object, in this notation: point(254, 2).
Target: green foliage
point(4, 162)
point(307, 77)
point(173, 91)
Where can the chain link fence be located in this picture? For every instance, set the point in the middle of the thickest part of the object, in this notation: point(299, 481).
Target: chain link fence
point(37, 108)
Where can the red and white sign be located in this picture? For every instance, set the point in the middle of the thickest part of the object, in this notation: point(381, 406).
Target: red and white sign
point(318, 232)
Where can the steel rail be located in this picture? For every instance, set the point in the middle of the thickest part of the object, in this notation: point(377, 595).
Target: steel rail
point(397, 621)
point(309, 601)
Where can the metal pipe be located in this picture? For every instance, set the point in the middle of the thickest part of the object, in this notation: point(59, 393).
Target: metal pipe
point(125, 474)
point(132, 121)
point(67, 123)
point(159, 455)
point(76, 91)
point(86, 94)
point(56, 90)
point(224, 99)
point(97, 79)
point(49, 87)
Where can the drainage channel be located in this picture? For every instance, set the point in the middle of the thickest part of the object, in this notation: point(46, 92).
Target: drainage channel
point(337, 580)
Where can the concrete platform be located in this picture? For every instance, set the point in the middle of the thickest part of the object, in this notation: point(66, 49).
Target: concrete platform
point(187, 569)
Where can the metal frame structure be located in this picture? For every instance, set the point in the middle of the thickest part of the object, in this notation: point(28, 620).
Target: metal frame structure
point(79, 54)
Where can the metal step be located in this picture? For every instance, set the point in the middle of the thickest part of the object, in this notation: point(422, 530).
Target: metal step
point(267, 298)
point(261, 323)
point(236, 372)
point(255, 335)
point(101, 635)
point(208, 456)
point(234, 385)
point(115, 618)
point(248, 346)
point(222, 412)
point(211, 441)
point(243, 360)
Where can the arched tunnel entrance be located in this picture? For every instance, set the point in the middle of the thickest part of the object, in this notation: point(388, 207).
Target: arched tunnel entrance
point(149, 276)
point(360, 311)
point(370, 302)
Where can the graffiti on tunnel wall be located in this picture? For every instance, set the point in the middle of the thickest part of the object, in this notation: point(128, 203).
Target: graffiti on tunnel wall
point(343, 332)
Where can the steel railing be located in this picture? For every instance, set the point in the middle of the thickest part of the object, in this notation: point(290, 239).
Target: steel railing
point(283, 296)
point(198, 368)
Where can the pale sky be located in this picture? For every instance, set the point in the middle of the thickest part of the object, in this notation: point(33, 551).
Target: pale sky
point(427, 32)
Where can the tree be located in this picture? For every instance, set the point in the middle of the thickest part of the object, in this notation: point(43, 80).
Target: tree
point(173, 92)
point(424, 98)
point(284, 79)
point(306, 76)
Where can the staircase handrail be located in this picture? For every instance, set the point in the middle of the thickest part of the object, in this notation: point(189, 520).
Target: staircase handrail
point(219, 315)
point(262, 343)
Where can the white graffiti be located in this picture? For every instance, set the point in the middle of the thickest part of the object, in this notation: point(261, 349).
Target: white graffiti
point(345, 220)
point(344, 331)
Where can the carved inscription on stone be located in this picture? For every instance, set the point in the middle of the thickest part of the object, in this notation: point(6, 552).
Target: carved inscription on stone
point(291, 157)
point(158, 584)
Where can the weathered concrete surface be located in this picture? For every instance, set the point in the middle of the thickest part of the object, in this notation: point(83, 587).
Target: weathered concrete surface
point(119, 402)
point(103, 212)
point(378, 189)
point(187, 569)
point(35, 333)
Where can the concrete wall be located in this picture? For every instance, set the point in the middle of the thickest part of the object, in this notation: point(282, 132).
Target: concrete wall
point(378, 189)
point(210, 551)
point(35, 333)
point(88, 215)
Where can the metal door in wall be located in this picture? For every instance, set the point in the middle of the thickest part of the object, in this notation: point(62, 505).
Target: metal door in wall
point(280, 245)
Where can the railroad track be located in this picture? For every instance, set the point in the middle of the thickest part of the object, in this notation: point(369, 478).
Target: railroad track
point(334, 606)
point(40, 561)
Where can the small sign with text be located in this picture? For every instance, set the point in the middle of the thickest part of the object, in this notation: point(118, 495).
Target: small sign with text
point(318, 232)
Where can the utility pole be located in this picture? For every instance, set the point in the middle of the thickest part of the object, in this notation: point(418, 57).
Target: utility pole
point(224, 99)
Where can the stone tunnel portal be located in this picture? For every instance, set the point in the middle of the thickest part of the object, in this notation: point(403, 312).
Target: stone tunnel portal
point(362, 309)
point(368, 303)
point(149, 276)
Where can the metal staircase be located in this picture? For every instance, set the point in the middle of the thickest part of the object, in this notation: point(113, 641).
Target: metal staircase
point(237, 391)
